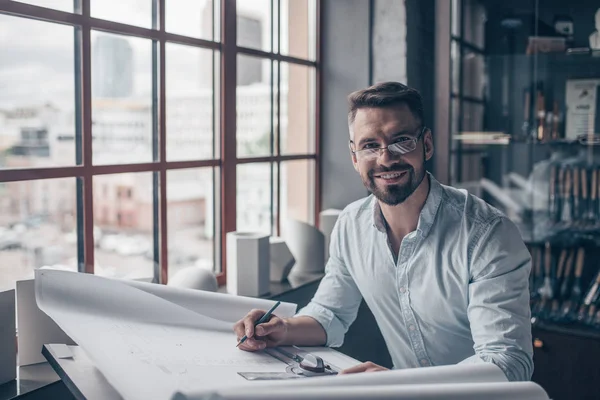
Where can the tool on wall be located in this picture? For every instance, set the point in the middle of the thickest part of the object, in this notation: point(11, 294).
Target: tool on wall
point(586, 209)
point(555, 309)
point(564, 287)
point(553, 198)
point(567, 210)
point(571, 305)
point(575, 195)
point(546, 291)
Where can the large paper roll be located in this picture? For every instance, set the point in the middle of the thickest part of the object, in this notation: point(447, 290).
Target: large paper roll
point(8, 348)
point(307, 244)
point(248, 261)
point(35, 327)
point(195, 278)
point(446, 391)
point(282, 259)
point(327, 220)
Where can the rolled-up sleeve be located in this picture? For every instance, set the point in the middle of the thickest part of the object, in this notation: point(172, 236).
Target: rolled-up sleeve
point(499, 311)
point(336, 302)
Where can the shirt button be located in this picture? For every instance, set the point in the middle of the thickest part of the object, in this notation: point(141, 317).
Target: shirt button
point(411, 327)
point(402, 289)
point(424, 362)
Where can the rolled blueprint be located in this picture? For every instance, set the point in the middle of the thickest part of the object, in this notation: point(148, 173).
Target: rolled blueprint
point(307, 244)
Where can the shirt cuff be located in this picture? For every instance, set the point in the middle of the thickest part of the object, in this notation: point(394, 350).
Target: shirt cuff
point(331, 324)
point(477, 359)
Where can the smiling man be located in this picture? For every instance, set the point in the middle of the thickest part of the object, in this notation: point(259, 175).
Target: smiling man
point(444, 273)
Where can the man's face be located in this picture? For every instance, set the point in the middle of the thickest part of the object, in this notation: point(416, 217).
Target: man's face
point(391, 178)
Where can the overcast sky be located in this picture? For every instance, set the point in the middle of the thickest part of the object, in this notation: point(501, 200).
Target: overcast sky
point(37, 58)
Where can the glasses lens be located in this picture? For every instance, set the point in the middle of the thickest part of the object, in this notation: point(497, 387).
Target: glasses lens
point(403, 147)
point(368, 153)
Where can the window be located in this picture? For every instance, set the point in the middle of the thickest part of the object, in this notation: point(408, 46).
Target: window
point(468, 85)
point(134, 134)
point(276, 108)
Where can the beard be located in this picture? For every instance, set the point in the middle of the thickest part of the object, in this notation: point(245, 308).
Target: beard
point(393, 195)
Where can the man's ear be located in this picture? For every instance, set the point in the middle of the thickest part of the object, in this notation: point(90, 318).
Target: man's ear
point(428, 144)
point(354, 163)
point(353, 157)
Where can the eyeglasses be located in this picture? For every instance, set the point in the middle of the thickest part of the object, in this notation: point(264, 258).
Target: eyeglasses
point(403, 146)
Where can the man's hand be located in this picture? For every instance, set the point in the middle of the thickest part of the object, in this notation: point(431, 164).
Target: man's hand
point(268, 334)
point(364, 367)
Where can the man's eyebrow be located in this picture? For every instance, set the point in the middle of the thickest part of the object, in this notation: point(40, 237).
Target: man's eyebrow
point(366, 140)
point(407, 133)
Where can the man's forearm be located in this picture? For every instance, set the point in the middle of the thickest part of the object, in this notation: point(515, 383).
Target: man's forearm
point(304, 331)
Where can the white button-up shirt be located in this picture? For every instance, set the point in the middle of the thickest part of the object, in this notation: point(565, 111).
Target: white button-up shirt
point(457, 291)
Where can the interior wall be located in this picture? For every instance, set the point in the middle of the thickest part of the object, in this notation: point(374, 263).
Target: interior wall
point(388, 41)
point(420, 52)
point(345, 68)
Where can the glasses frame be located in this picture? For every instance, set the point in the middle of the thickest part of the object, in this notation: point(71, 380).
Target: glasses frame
point(362, 153)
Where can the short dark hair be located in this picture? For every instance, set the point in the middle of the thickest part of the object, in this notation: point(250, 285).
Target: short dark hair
point(385, 94)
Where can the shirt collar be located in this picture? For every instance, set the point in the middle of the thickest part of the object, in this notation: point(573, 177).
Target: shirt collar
point(428, 213)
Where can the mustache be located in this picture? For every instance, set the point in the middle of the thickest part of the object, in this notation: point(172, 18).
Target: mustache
point(393, 168)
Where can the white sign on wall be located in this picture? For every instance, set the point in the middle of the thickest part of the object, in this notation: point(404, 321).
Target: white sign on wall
point(581, 103)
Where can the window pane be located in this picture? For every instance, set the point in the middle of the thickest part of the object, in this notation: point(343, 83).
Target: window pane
point(37, 228)
point(254, 106)
point(472, 117)
point(474, 20)
point(121, 99)
point(254, 197)
point(131, 12)
point(191, 219)
point(456, 5)
point(297, 191)
point(455, 119)
point(37, 94)
point(189, 79)
point(473, 75)
point(297, 109)
point(455, 66)
point(61, 5)
point(454, 143)
point(123, 213)
point(254, 24)
point(298, 28)
point(191, 18)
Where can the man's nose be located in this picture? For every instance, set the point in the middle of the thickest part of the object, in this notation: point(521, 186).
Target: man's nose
point(387, 158)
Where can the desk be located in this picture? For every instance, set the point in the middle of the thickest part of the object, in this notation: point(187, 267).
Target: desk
point(86, 382)
point(29, 379)
point(294, 281)
point(79, 375)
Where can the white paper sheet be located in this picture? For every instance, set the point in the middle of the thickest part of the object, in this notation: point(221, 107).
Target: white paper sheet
point(145, 346)
point(60, 350)
point(445, 391)
point(230, 308)
point(8, 347)
point(35, 328)
point(468, 373)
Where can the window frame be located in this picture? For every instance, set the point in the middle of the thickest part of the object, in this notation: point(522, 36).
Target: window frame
point(463, 47)
point(224, 164)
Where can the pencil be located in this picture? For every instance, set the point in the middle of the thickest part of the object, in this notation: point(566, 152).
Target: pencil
point(262, 319)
